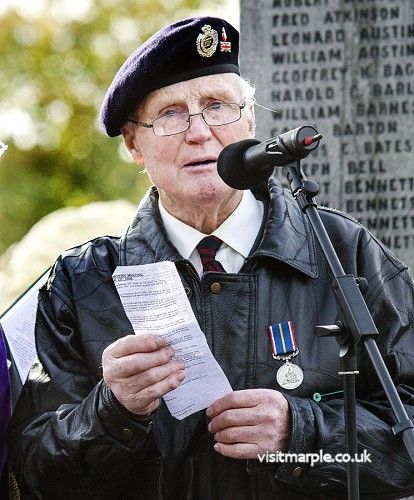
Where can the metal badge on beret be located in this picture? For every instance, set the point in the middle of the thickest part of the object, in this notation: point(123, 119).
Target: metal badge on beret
point(207, 41)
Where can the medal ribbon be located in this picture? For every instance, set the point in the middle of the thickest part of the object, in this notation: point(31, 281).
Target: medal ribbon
point(282, 339)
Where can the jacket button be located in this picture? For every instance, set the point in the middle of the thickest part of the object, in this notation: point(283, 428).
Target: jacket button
point(215, 287)
point(297, 471)
point(187, 291)
point(128, 434)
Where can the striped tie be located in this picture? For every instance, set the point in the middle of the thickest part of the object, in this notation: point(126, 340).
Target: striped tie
point(207, 248)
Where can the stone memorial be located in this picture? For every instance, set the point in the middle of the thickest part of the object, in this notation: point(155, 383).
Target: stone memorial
point(345, 67)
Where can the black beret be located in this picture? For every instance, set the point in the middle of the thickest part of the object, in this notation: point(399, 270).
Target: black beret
point(181, 51)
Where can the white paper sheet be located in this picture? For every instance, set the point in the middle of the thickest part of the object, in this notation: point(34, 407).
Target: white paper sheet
point(18, 324)
point(155, 302)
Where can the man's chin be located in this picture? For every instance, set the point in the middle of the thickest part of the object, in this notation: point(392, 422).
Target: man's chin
point(212, 192)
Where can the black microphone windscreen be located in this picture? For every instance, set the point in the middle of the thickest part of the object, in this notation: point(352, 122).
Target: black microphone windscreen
point(231, 168)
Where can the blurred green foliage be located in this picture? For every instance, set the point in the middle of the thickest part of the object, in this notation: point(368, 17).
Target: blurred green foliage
point(57, 58)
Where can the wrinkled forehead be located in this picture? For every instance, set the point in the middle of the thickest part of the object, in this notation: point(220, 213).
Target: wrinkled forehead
point(225, 86)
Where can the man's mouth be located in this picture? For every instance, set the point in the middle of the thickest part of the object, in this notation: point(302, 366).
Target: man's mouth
point(200, 163)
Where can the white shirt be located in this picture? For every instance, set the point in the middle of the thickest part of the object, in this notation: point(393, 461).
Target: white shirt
point(238, 233)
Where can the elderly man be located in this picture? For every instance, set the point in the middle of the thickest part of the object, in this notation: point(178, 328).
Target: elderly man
point(91, 421)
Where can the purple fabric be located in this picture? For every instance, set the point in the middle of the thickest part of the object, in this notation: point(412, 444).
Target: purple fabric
point(5, 401)
point(207, 248)
point(170, 56)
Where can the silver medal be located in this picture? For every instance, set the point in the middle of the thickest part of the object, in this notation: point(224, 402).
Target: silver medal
point(289, 376)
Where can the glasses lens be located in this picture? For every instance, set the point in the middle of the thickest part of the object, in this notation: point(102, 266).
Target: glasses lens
point(220, 113)
point(173, 123)
point(217, 113)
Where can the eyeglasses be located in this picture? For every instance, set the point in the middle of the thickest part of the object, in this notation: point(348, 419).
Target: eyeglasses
point(175, 122)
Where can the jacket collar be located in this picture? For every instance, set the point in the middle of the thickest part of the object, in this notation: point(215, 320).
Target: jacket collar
point(146, 240)
point(287, 235)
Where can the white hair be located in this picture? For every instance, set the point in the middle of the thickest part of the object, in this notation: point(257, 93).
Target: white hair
point(248, 88)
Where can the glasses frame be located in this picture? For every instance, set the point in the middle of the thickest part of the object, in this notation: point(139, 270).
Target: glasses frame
point(190, 115)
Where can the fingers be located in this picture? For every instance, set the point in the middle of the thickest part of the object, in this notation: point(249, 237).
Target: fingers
point(237, 450)
point(238, 399)
point(159, 389)
point(139, 370)
point(140, 362)
point(241, 434)
point(132, 344)
point(134, 354)
point(249, 398)
point(152, 376)
point(248, 422)
point(140, 394)
point(147, 400)
point(231, 418)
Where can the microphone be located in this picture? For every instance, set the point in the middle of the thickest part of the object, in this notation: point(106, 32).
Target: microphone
point(249, 163)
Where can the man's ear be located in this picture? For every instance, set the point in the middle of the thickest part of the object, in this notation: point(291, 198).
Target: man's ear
point(251, 120)
point(131, 144)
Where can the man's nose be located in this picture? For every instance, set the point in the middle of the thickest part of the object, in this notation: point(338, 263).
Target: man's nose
point(198, 131)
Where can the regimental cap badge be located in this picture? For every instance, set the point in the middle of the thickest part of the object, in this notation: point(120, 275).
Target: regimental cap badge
point(207, 41)
point(225, 46)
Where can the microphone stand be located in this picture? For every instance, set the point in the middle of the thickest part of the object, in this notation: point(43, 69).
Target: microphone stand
point(355, 328)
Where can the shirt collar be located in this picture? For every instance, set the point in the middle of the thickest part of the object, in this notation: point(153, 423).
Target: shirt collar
point(238, 231)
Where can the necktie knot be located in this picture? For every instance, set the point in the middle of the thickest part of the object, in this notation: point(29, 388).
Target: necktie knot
point(207, 248)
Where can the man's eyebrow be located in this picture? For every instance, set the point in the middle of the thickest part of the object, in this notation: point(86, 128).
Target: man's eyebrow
point(220, 93)
point(165, 100)
point(160, 103)
point(152, 111)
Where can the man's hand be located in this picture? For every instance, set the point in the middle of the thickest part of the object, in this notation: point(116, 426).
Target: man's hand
point(245, 423)
point(138, 369)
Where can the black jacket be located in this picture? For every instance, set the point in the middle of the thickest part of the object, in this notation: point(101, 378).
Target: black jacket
point(71, 439)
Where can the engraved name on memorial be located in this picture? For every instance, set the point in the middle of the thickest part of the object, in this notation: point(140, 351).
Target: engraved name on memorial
point(346, 68)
